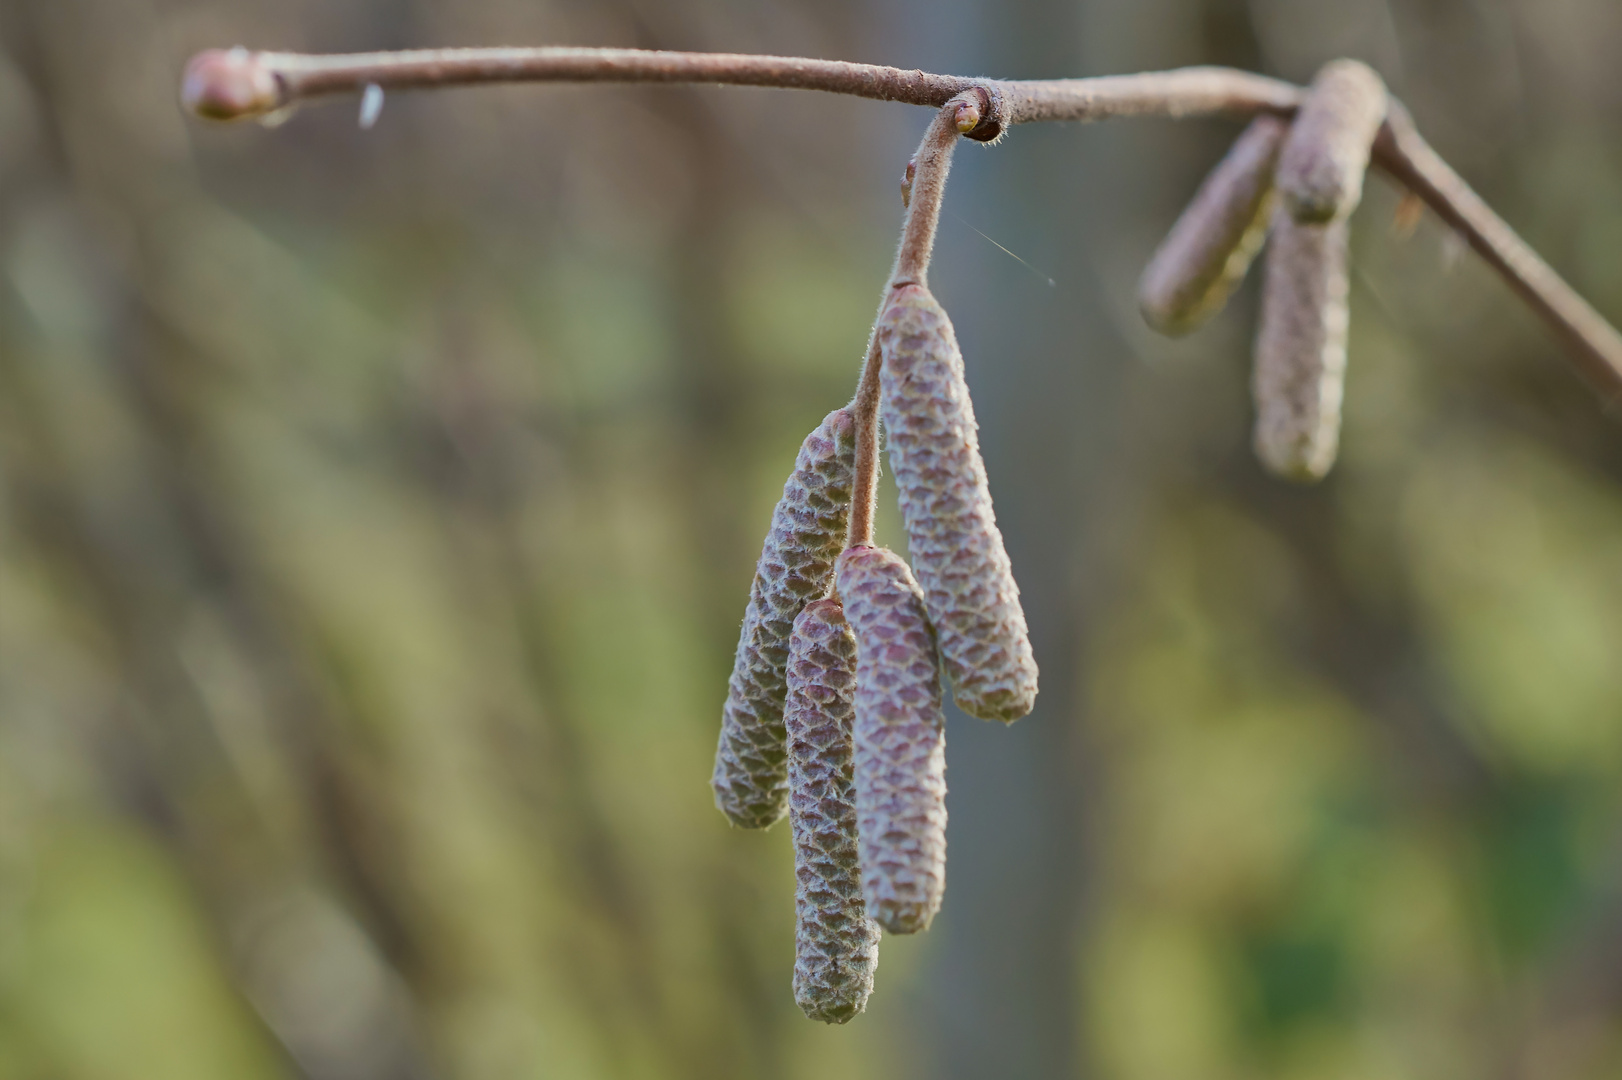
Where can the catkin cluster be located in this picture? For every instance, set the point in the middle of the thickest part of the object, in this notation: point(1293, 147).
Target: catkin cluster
point(796, 566)
point(835, 702)
point(1316, 163)
point(834, 707)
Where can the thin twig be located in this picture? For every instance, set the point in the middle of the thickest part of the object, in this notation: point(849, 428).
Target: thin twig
point(1180, 94)
point(1593, 342)
point(926, 184)
point(239, 84)
point(865, 409)
point(929, 167)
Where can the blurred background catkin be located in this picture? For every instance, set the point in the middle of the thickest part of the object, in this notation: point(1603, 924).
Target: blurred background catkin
point(378, 509)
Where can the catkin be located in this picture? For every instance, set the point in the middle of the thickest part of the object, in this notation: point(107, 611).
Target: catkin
point(836, 946)
point(796, 566)
point(1301, 348)
point(1207, 253)
point(1320, 170)
point(952, 534)
point(900, 741)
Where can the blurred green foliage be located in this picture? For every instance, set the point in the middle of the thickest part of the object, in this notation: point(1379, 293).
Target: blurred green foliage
point(378, 508)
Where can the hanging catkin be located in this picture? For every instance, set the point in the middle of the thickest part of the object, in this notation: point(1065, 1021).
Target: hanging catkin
point(1320, 170)
point(952, 534)
point(796, 566)
point(1207, 253)
point(900, 741)
point(836, 946)
point(1301, 348)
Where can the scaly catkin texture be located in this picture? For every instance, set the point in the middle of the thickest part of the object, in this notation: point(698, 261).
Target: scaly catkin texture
point(952, 534)
point(1301, 348)
point(900, 741)
point(796, 566)
point(1321, 168)
point(1207, 253)
point(836, 946)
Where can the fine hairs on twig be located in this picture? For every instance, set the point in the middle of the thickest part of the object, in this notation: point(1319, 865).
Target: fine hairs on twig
point(834, 707)
point(922, 188)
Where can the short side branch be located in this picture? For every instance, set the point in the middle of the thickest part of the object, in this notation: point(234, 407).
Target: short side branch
point(1592, 342)
point(926, 185)
point(928, 170)
point(864, 492)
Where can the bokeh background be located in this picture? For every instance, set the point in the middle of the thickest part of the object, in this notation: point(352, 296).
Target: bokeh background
point(379, 507)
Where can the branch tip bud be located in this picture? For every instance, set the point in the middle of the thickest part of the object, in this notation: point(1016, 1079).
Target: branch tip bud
point(229, 84)
point(967, 116)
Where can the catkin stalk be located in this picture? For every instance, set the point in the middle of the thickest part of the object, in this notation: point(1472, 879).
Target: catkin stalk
point(1207, 253)
point(836, 946)
point(1320, 170)
point(1301, 348)
point(952, 536)
point(796, 566)
point(900, 741)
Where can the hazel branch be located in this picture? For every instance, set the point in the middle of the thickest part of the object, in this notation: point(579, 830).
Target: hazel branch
point(239, 84)
point(236, 84)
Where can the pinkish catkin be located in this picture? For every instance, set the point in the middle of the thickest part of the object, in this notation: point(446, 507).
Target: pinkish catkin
point(1321, 168)
point(900, 741)
point(796, 566)
point(952, 536)
point(1300, 368)
point(1208, 252)
point(836, 946)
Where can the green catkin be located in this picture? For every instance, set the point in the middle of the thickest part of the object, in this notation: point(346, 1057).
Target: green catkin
point(952, 536)
point(1300, 365)
point(900, 741)
point(836, 946)
point(796, 566)
point(1321, 168)
point(1207, 253)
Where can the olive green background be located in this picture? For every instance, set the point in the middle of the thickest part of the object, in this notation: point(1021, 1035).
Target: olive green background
point(379, 506)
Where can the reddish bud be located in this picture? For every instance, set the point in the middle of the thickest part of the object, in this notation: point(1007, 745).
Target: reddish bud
point(229, 84)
